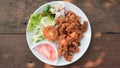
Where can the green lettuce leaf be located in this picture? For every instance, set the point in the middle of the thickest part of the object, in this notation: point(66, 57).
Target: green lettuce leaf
point(34, 20)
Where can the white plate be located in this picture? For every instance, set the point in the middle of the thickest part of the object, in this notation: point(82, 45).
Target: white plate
point(85, 41)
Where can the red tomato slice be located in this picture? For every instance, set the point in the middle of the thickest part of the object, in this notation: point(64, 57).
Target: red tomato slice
point(50, 32)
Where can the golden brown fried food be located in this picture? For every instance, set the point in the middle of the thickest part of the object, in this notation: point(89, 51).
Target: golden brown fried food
point(70, 32)
point(84, 25)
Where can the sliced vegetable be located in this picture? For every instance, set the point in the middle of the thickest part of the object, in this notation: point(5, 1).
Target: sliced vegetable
point(47, 21)
point(37, 38)
point(38, 34)
point(50, 32)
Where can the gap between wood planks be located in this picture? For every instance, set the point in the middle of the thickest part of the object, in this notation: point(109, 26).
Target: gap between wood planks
point(96, 33)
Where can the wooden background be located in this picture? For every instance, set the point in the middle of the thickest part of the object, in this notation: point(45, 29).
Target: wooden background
point(104, 50)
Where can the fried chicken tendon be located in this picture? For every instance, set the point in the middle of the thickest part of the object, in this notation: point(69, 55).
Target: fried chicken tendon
point(70, 31)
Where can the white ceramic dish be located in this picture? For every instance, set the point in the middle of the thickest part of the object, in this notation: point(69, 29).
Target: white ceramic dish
point(85, 41)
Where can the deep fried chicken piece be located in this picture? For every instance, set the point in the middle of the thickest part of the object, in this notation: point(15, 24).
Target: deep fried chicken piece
point(70, 32)
point(84, 26)
point(74, 49)
point(68, 56)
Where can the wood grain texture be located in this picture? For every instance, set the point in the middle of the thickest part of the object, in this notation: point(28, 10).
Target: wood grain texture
point(104, 15)
point(103, 52)
point(14, 52)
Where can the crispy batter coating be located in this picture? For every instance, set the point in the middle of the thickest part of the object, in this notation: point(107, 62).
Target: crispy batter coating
point(70, 32)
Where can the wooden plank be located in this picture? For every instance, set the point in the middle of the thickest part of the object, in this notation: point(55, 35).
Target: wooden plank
point(103, 53)
point(14, 52)
point(103, 15)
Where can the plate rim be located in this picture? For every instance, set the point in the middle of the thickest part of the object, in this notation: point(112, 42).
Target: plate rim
point(89, 35)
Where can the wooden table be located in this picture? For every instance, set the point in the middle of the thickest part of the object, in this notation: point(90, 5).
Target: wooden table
point(104, 50)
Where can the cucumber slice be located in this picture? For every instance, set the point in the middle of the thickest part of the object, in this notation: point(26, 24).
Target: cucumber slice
point(47, 21)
